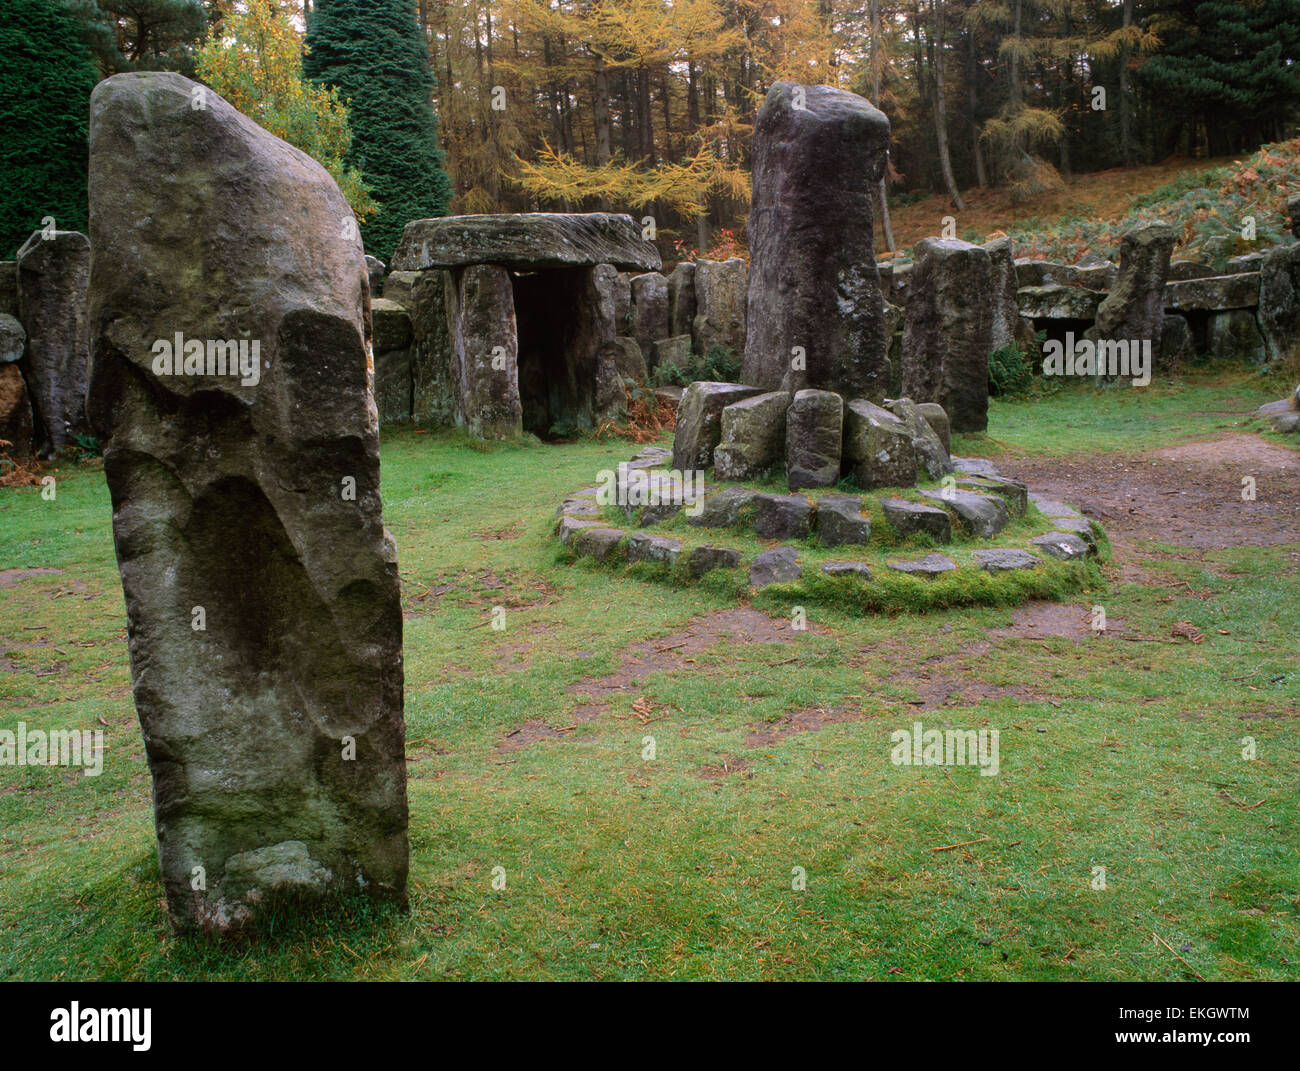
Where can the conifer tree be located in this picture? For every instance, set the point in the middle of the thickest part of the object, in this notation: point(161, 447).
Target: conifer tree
point(374, 53)
point(45, 84)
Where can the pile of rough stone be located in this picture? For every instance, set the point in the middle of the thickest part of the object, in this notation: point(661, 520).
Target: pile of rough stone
point(744, 433)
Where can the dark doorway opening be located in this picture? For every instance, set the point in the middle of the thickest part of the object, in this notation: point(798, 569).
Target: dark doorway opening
point(557, 350)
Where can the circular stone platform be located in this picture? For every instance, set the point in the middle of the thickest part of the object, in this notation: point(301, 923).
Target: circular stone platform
point(974, 538)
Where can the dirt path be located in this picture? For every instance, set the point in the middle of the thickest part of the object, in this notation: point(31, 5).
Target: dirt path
point(1188, 496)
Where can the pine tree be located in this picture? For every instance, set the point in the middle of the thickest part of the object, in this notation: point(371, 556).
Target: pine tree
point(374, 53)
point(45, 84)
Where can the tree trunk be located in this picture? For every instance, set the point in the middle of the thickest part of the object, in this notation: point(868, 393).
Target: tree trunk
point(977, 149)
point(941, 111)
point(1125, 104)
point(886, 226)
point(600, 112)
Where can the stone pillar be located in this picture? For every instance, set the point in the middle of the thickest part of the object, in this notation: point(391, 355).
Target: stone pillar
point(1003, 289)
point(948, 332)
point(819, 153)
point(1134, 310)
point(485, 363)
point(719, 306)
point(650, 309)
point(53, 271)
point(262, 595)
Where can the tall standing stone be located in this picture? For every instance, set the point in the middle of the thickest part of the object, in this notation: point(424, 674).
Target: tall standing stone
point(1134, 310)
point(815, 311)
point(1279, 302)
point(485, 354)
point(948, 333)
point(719, 306)
point(53, 271)
point(263, 605)
point(650, 305)
point(1003, 288)
point(681, 299)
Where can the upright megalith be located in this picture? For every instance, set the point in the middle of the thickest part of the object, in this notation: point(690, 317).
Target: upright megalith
point(815, 309)
point(229, 381)
point(948, 333)
point(53, 271)
point(1134, 310)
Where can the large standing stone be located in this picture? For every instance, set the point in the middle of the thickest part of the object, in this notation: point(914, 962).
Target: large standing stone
point(948, 334)
point(650, 308)
point(753, 436)
point(262, 595)
point(819, 153)
point(433, 303)
point(681, 298)
point(1279, 301)
point(814, 439)
point(1134, 310)
point(1003, 288)
point(53, 271)
point(699, 421)
point(878, 448)
point(485, 354)
point(614, 292)
point(719, 306)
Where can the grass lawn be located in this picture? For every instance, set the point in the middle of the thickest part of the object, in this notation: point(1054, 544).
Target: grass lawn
point(1120, 751)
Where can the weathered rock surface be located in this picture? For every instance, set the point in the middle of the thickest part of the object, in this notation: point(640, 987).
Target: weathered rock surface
point(949, 331)
point(699, 421)
point(878, 448)
point(1035, 273)
point(649, 308)
point(1004, 284)
point(753, 436)
point(722, 508)
point(485, 354)
point(1176, 344)
point(908, 518)
point(814, 434)
point(15, 412)
point(930, 566)
point(1234, 336)
point(707, 558)
point(1279, 301)
point(599, 543)
point(1064, 546)
point(681, 299)
point(674, 351)
point(930, 451)
point(263, 603)
point(614, 296)
point(1003, 560)
point(1214, 294)
point(841, 522)
point(398, 286)
point(525, 241)
point(818, 156)
point(859, 569)
point(13, 339)
point(983, 515)
point(1013, 492)
point(645, 547)
point(1058, 302)
point(938, 421)
point(719, 306)
point(782, 516)
point(53, 273)
point(777, 566)
point(1135, 307)
point(375, 273)
point(1180, 270)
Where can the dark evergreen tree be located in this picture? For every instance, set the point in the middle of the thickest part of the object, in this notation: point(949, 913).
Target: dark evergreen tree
point(1228, 70)
point(375, 54)
point(45, 84)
